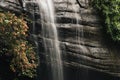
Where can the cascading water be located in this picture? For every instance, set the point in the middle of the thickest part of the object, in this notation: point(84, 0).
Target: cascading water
point(50, 38)
point(79, 37)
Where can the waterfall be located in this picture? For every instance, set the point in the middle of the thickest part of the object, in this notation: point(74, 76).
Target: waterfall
point(50, 38)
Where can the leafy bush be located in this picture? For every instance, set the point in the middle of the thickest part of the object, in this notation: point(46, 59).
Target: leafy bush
point(110, 10)
point(13, 43)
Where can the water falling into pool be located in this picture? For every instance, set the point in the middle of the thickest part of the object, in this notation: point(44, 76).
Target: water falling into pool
point(50, 38)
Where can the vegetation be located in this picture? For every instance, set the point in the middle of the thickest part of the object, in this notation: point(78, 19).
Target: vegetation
point(15, 51)
point(110, 11)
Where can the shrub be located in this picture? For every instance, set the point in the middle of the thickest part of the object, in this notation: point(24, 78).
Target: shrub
point(110, 10)
point(21, 56)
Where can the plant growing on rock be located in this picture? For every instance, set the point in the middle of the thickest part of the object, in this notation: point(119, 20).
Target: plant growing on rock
point(18, 53)
point(110, 10)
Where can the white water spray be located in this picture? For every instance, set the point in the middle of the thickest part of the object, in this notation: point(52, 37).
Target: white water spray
point(50, 37)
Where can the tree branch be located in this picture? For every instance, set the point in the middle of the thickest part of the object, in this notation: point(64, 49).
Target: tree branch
point(81, 4)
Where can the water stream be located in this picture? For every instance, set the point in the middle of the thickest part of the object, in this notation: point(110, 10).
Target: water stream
point(50, 38)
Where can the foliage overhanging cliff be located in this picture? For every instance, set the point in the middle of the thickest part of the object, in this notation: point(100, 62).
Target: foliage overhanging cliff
point(110, 11)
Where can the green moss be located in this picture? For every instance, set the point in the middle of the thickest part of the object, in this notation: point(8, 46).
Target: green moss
point(15, 50)
point(110, 11)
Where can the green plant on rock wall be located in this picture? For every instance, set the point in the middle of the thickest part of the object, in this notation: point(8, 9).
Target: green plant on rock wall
point(110, 10)
point(21, 56)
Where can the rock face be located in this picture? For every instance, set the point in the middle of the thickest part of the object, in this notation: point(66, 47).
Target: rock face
point(11, 5)
point(82, 40)
point(84, 48)
point(86, 52)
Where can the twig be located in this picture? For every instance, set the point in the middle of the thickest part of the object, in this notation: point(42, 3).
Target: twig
point(81, 5)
